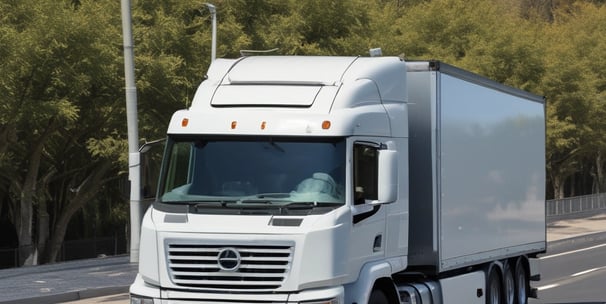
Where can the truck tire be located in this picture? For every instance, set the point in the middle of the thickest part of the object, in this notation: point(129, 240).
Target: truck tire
point(494, 289)
point(377, 296)
point(509, 286)
point(521, 282)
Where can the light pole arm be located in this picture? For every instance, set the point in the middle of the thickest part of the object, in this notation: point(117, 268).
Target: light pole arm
point(213, 15)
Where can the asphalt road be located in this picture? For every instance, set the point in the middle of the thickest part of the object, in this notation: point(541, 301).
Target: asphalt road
point(67, 281)
point(573, 271)
point(574, 274)
point(571, 274)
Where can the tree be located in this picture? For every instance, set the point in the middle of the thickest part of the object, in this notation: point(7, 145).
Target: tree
point(574, 83)
point(62, 124)
point(477, 35)
point(62, 115)
point(59, 72)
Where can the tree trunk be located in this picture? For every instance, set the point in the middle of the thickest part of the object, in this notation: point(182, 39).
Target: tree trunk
point(43, 228)
point(43, 223)
point(86, 191)
point(558, 186)
point(24, 233)
point(26, 209)
point(573, 185)
point(26, 193)
point(599, 172)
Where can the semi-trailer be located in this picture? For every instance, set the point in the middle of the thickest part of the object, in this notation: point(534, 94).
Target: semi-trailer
point(313, 179)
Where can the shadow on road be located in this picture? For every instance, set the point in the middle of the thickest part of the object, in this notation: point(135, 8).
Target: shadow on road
point(119, 297)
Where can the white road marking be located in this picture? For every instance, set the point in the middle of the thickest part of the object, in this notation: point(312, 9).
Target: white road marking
point(586, 271)
point(548, 286)
point(572, 276)
point(571, 252)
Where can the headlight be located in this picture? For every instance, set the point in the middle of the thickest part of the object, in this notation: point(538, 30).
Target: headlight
point(327, 301)
point(135, 299)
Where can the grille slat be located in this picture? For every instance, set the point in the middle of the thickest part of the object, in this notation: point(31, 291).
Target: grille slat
point(193, 257)
point(265, 259)
point(243, 268)
point(214, 267)
point(193, 249)
point(219, 283)
point(202, 275)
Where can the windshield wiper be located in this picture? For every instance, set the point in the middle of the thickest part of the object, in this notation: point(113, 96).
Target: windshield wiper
point(210, 203)
point(272, 195)
point(267, 198)
point(310, 205)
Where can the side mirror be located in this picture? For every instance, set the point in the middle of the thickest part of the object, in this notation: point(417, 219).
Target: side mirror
point(388, 176)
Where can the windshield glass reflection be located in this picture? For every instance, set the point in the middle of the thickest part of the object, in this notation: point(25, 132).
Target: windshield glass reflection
point(261, 172)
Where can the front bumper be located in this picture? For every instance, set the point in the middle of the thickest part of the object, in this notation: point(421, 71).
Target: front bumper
point(143, 293)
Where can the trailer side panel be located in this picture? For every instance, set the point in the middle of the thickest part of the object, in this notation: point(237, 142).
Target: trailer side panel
point(486, 198)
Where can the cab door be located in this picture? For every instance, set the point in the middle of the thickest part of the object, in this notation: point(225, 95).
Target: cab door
point(368, 218)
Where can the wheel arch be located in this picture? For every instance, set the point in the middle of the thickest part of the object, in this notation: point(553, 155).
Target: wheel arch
point(386, 285)
point(371, 275)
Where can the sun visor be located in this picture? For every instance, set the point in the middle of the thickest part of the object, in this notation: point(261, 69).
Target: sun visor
point(265, 95)
point(295, 70)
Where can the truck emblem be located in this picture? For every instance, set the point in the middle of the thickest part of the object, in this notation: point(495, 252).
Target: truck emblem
point(229, 259)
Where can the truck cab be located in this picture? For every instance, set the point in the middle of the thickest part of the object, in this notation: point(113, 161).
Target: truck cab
point(280, 183)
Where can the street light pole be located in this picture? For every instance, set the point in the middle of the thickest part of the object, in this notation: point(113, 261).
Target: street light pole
point(213, 15)
point(134, 157)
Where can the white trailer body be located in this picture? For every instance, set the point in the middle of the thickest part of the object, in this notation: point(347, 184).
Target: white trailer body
point(477, 168)
point(295, 179)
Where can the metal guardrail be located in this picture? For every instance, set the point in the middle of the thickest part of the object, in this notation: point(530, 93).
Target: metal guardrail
point(576, 205)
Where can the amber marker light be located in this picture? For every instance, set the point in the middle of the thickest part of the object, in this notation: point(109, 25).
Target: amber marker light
point(326, 124)
point(263, 125)
point(234, 124)
point(184, 122)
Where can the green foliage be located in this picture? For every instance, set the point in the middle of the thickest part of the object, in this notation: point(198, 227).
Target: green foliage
point(445, 29)
point(62, 110)
point(574, 83)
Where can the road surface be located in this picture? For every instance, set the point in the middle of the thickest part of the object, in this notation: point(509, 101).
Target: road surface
point(571, 274)
point(574, 274)
point(573, 271)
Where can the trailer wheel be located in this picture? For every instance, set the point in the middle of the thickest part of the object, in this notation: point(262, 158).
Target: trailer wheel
point(521, 282)
point(377, 296)
point(493, 287)
point(509, 285)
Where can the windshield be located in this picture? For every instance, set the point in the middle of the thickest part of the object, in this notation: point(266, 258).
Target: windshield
point(257, 172)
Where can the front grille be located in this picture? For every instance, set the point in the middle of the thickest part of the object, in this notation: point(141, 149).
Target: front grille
point(227, 266)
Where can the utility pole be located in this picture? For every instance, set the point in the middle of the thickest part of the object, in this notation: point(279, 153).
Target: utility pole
point(134, 157)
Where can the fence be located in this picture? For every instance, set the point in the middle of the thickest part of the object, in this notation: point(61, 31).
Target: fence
point(72, 250)
point(576, 205)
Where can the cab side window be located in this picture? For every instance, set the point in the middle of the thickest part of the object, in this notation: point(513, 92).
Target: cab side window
point(366, 172)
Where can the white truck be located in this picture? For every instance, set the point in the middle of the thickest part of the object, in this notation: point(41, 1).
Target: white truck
point(308, 179)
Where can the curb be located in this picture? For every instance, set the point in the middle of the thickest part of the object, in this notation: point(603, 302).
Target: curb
point(573, 216)
point(582, 239)
point(72, 295)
